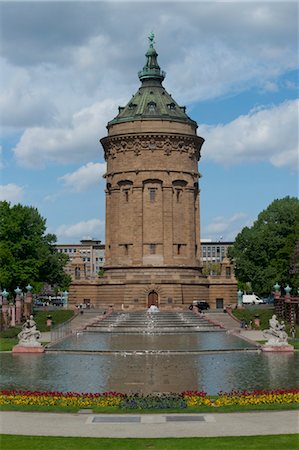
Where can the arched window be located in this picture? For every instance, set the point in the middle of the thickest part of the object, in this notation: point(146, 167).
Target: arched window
point(151, 106)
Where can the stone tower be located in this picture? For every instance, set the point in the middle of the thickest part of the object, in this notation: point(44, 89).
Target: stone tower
point(152, 245)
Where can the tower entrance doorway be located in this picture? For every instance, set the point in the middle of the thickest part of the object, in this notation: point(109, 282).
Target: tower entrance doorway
point(152, 299)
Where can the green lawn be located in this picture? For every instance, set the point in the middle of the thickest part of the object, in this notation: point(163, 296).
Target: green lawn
point(6, 344)
point(58, 316)
point(271, 442)
point(248, 314)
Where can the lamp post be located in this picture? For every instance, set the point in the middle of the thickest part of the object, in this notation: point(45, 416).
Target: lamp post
point(65, 299)
point(240, 297)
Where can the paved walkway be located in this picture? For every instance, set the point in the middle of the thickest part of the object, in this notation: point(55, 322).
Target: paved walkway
point(150, 425)
point(231, 324)
point(77, 323)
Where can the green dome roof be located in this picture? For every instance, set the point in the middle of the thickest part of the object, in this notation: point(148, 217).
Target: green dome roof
point(151, 101)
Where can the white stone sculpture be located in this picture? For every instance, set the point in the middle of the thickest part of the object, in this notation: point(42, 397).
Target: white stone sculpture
point(276, 334)
point(29, 335)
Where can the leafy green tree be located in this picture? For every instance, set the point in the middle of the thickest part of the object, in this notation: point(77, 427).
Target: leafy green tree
point(266, 252)
point(27, 254)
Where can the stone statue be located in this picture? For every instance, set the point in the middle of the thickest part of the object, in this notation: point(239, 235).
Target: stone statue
point(151, 38)
point(29, 335)
point(276, 334)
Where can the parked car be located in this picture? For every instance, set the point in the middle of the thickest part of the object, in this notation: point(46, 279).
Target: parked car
point(57, 302)
point(269, 300)
point(201, 304)
point(39, 303)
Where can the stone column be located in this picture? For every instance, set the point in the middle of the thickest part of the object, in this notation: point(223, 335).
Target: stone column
point(167, 224)
point(191, 225)
point(18, 309)
point(107, 230)
point(197, 225)
point(5, 311)
point(137, 253)
point(28, 304)
point(12, 309)
point(114, 227)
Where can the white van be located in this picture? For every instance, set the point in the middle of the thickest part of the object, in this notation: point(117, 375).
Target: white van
point(251, 299)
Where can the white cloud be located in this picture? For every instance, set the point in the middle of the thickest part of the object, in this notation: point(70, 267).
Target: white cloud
point(263, 135)
point(85, 177)
point(24, 101)
point(81, 230)
point(226, 227)
point(73, 144)
point(11, 193)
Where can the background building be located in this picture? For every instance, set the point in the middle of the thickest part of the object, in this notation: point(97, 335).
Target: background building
point(92, 254)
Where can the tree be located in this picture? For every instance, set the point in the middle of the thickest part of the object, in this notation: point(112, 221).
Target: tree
point(27, 254)
point(266, 252)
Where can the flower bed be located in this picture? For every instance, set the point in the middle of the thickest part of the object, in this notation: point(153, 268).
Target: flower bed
point(158, 401)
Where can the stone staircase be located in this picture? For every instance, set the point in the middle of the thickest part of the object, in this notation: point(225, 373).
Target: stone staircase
point(155, 323)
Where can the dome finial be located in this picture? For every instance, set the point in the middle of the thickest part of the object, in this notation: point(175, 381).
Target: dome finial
point(151, 39)
point(151, 70)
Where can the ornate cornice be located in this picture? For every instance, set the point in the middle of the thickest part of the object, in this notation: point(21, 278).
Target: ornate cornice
point(138, 143)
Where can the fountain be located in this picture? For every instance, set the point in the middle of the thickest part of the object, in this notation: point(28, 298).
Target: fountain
point(149, 353)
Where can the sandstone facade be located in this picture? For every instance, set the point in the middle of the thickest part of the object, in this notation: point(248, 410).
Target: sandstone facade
point(152, 245)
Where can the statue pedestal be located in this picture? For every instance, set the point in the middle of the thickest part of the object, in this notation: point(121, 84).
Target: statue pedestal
point(277, 348)
point(28, 349)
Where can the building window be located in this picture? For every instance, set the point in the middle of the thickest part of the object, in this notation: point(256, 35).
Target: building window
point(152, 194)
point(151, 106)
point(77, 273)
point(179, 249)
point(228, 272)
point(132, 106)
point(178, 195)
point(126, 192)
point(126, 249)
point(152, 248)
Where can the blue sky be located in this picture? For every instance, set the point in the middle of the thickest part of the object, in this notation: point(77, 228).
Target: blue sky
point(66, 66)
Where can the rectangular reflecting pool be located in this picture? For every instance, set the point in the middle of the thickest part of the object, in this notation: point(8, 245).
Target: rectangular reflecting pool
point(148, 373)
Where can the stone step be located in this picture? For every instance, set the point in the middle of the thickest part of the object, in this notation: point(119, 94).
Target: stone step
point(154, 331)
point(161, 322)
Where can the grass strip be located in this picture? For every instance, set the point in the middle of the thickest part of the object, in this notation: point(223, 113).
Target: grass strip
point(6, 344)
point(268, 442)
